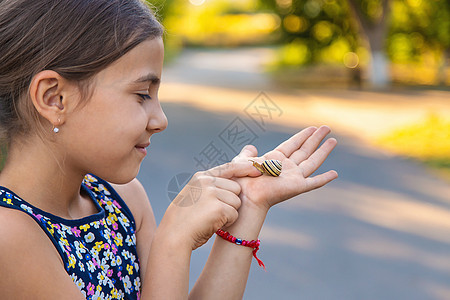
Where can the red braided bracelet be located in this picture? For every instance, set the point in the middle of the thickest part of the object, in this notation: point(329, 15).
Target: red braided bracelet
point(252, 244)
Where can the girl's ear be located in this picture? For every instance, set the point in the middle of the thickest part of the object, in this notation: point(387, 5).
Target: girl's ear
point(48, 90)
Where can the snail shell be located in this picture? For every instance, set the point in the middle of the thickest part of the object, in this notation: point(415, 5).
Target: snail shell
point(271, 167)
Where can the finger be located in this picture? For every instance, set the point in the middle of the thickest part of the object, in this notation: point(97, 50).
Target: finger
point(234, 169)
point(316, 159)
point(310, 145)
point(229, 198)
point(247, 151)
point(231, 216)
point(318, 181)
point(228, 184)
point(295, 142)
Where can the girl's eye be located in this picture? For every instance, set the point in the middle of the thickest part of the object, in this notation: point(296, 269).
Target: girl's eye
point(144, 96)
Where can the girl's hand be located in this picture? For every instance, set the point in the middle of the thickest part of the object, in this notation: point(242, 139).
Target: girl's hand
point(300, 158)
point(208, 202)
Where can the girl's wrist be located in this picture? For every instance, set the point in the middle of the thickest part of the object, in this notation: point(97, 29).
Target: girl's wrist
point(250, 221)
point(258, 208)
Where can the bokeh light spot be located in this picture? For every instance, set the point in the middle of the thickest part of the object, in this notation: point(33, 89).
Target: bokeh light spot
point(312, 8)
point(322, 31)
point(284, 4)
point(351, 60)
point(374, 10)
point(197, 2)
point(295, 53)
point(294, 23)
point(415, 3)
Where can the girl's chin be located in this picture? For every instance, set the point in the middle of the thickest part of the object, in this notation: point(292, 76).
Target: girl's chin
point(121, 176)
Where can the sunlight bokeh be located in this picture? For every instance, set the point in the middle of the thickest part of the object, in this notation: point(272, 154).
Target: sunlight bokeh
point(220, 23)
point(315, 32)
point(315, 60)
point(329, 44)
point(428, 140)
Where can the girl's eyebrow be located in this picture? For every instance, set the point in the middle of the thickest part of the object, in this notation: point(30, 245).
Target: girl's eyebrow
point(147, 78)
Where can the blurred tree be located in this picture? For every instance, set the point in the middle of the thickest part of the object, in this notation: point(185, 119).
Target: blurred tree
point(219, 23)
point(371, 16)
point(420, 32)
point(322, 26)
point(331, 29)
point(335, 30)
point(360, 34)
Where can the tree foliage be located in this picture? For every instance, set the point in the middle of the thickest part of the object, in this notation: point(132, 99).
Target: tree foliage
point(320, 23)
point(321, 31)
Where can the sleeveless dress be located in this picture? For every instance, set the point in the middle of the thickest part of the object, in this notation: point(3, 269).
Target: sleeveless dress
point(98, 251)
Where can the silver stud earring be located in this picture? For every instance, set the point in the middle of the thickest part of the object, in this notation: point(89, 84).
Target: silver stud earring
point(56, 129)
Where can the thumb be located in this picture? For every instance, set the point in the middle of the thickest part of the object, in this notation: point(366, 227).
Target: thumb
point(246, 152)
point(241, 168)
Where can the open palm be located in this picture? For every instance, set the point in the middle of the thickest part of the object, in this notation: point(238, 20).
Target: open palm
point(301, 156)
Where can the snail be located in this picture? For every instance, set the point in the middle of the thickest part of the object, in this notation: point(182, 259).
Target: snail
point(271, 167)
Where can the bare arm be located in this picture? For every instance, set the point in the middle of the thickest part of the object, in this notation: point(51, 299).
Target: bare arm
point(29, 260)
point(226, 271)
point(31, 268)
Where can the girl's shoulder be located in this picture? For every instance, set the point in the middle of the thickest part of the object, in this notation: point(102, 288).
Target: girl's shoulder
point(29, 261)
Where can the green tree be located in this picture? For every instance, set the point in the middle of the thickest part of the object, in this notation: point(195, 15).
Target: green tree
point(420, 29)
point(371, 17)
point(332, 28)
point(397, 29)
point(317, 24)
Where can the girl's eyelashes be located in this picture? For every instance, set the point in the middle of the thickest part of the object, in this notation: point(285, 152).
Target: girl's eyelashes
point(144, 96)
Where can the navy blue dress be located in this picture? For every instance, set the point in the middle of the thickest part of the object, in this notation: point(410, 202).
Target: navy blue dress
point(98, 251)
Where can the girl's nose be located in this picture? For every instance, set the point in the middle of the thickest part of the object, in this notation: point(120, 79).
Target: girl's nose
point(157, 120)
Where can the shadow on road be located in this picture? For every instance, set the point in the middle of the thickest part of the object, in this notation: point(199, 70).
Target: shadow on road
point(381, 231)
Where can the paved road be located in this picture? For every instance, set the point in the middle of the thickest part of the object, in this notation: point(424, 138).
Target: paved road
point(381, 231)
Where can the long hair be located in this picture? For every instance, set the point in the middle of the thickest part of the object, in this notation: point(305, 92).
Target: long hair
point(75, 38)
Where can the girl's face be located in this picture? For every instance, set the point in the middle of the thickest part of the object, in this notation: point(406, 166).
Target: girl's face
point(108, 135)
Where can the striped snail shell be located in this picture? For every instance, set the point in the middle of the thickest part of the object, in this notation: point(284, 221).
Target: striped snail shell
point(271, 167)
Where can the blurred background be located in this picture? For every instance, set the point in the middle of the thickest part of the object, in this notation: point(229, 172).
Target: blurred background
point(377, 72)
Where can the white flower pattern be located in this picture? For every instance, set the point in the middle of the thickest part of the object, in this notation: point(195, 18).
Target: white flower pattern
point(96, 250)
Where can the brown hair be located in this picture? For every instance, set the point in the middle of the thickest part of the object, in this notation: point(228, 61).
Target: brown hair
point(75, 38)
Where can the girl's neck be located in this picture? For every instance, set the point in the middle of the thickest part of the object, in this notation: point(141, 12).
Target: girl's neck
point(38, 175)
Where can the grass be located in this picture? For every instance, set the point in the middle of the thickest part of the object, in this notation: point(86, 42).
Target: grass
point(427, 140)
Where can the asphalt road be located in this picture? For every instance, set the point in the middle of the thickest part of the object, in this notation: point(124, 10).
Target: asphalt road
point(381, 231)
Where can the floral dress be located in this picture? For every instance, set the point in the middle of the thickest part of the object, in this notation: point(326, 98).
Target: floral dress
point(98, 251)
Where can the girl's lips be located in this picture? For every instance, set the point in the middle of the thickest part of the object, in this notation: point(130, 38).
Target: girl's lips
point(142, 148)
point(143, 145)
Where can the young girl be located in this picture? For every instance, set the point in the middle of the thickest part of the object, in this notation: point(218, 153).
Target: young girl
point(79, 102)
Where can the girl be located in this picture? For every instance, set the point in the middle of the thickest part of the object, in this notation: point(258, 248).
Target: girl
point(79, 96)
